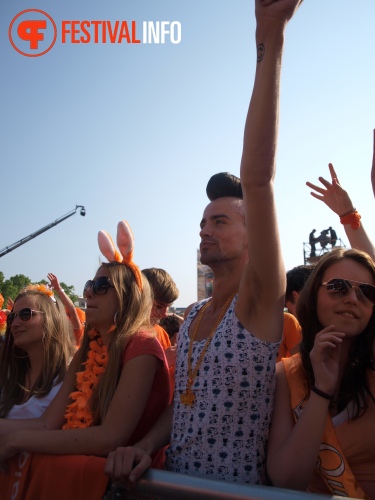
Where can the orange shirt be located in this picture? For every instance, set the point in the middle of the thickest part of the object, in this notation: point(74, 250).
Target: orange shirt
point(291, 336)
point(165, 342)
point(162, 336)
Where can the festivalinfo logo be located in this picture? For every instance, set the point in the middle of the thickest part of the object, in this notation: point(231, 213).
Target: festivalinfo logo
point(33, 32)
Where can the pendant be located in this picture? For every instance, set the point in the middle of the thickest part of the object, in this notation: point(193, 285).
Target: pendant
point(187, 397)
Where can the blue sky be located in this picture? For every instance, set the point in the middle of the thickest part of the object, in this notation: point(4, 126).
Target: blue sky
point(135, 131)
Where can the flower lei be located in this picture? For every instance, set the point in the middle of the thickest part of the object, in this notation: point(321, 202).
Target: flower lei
point(78, 414)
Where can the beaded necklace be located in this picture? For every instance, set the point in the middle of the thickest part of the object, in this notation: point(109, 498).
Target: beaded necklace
point(188, 397)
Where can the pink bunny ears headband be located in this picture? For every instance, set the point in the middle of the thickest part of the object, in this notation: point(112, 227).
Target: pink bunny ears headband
point(125, 243)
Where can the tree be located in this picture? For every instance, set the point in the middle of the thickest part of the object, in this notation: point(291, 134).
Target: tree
point(10, 288)
point(69, 290)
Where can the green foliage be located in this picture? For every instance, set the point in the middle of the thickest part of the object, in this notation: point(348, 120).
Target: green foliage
point(12, 286)
point(69, 290)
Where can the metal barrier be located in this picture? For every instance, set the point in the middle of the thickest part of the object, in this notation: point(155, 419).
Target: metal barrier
point(163, 485)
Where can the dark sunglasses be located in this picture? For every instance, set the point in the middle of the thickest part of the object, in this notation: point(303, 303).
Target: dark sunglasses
point(338, 287)
point(24, 315)
point(99, 286)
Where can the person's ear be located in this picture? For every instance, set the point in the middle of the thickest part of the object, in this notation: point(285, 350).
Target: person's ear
point(295, 296)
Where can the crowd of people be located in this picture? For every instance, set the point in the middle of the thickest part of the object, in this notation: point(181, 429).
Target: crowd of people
point(269, 381)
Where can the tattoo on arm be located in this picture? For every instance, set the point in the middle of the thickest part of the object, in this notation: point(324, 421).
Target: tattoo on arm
point(260, 52)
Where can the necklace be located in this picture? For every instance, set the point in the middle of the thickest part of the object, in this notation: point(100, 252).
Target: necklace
point(78, 414)
point(187, 397)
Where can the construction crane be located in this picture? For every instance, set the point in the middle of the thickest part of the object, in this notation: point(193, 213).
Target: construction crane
point(17, 244)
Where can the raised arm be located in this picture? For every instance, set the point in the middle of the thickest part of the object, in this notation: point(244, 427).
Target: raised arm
point(65, 299)
point(373, 166)
point(338, 200)
point(261, 297)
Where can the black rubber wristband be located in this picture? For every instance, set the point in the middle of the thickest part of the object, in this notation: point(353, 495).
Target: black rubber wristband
point(322, 394)
point(348, 212)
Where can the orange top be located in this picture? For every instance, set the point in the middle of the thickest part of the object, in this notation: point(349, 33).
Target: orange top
point(162, 336)
point(357, 441)
point(291, 336)
point(54, 476)
point(165, 342)
point(347, 453)
point(78, 332)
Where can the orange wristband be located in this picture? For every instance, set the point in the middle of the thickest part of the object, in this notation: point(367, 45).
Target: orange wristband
point(352, 218)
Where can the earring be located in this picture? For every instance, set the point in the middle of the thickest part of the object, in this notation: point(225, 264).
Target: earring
point(115, 317)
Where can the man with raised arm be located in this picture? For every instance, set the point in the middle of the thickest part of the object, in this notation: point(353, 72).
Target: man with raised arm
point(218, 424)
point(373, 166)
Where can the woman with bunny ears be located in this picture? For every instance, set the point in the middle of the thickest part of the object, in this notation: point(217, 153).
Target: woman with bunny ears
point(116, 385)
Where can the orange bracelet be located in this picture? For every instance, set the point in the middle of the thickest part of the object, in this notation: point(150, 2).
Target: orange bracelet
point(352, 218)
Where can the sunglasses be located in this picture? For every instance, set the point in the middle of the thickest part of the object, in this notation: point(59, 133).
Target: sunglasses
point(24, 315)
point(338, 287)
point(99, 286)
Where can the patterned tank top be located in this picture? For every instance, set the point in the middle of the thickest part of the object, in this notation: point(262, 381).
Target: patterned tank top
point(223, 435)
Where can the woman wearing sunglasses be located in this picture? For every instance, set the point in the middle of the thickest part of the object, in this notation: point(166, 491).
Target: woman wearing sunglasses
point(322, 435)
point(35, 354)
point(116, 386)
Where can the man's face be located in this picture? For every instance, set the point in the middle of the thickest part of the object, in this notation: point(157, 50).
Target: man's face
point(223, 232)
point(292, 306)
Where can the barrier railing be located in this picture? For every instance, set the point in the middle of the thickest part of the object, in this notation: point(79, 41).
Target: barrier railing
point(163, 485)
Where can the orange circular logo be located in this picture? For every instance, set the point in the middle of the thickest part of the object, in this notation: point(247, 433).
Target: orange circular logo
point(32, 32)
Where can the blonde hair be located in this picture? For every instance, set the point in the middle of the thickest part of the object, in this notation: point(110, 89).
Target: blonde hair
point(132, 316)
point(58, 349)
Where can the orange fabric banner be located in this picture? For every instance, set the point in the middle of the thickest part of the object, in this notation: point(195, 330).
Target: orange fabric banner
point(331, 464)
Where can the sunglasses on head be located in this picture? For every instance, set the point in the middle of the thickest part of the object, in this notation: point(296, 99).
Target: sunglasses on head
point(99, 286)
point(24, 315)
point(338, 287)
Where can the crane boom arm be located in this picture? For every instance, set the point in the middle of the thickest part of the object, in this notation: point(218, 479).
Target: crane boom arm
point(17, 244)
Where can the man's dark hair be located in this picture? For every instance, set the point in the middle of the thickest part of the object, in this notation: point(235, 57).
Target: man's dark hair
point(296, 279)
point(222, 185)
point(171, 325)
